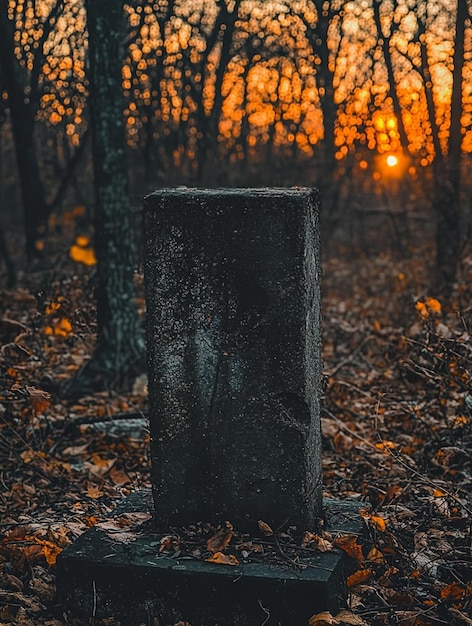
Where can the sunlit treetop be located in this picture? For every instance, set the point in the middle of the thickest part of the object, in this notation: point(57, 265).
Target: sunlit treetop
point(50, 46)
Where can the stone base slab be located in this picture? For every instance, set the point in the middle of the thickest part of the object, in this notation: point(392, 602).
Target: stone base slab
point(132, 582)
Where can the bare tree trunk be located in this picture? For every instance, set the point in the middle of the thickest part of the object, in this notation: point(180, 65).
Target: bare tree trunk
point(119, 352)
point(22, 114)
point(447, 172)
point(319, 39)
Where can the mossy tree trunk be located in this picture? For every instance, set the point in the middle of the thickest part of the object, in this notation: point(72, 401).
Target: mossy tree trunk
point(119, 352)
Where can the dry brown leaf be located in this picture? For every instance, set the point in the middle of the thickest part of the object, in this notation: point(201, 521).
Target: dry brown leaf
point(76, 450)
point(119, 477)
point(94, 492)
point(349, 545)
point(221, 538)
point(348, 617)
point(40, 400)
point(169, 543)
point(265, 528)
point(323, 619)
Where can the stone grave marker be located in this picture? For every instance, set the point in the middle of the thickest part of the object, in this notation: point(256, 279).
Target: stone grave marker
point(233, 339)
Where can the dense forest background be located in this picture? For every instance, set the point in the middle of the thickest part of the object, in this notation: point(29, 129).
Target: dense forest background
point(370, 101)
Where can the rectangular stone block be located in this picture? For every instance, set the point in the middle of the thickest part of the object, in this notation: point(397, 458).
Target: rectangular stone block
point(233, 337)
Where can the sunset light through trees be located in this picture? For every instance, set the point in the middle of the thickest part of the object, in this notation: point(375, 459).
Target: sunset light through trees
point(270, 92)
point(335, 86)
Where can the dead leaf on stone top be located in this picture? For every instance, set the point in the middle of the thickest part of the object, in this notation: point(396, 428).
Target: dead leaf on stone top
point(265, 528)
point(314, 540)
point(223, 559)
point(221, 538)
point(169, 543)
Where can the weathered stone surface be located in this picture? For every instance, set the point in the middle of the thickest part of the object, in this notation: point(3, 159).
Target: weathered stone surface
point(233, 338)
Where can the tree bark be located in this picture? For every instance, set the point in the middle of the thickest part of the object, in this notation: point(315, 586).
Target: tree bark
point(22, 114)
point(447, 172)
point(119, 352)
point(319, 40)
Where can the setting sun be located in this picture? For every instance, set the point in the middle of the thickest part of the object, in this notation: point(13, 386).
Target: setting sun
point(392, 160)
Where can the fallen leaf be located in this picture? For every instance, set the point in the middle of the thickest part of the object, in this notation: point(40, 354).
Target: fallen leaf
point(349, 545)
point(360, 576)
point(323, 619)
point(375, 521)
point(223, 559)
point(433, 305)
point(453, 591)
point(321, 544)
point(94, 492)
point(76, 450)
point(265, 528)
point(119, 477)
point(221, 538)
point(348, 617)
point(59, 328)
point(375, 556)
point(82, 252)
point(169, 543)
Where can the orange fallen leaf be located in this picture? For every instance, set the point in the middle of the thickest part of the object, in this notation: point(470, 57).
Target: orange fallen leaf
point(33, 547)
point(221, 538)
point(433, 305)
point(52, 307)
point(422, 310)
point(349, 545)
point(360, 576)
point(60, 328)
point(386, 445)
point(393, 491)
point(375, 556)
point(453, 591)
point(223, 559)
point(375, 521)
point(82, 252)
point(94, 492)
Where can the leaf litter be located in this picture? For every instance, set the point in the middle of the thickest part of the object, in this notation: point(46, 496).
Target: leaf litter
point(396, 423)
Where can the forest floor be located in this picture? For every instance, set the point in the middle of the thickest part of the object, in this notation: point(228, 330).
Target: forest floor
point(396, 421)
